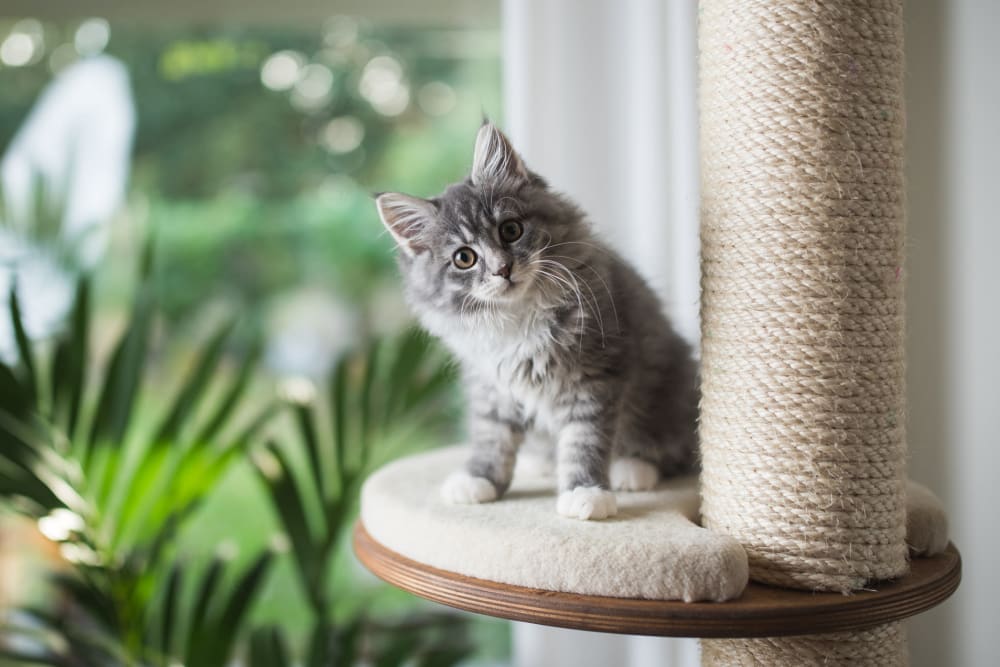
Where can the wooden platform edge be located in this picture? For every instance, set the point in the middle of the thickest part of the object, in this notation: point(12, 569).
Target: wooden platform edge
point(762, 611)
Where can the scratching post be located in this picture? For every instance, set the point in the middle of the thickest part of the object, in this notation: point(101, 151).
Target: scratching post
point(881, 646)
point(802, 310)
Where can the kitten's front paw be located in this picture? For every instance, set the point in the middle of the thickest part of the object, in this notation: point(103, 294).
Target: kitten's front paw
point(587, 502)
point(630, 474)
point(464, 489)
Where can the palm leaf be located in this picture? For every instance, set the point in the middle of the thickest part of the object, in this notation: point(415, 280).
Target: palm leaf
point(347, 640)
point(240, 600)
point(232, 396)
point(189, 483)
point(288, 500)
point(194, 387)
point(123, 377)
point(124, 374)
point(25, 353)
point(168, 620)
point(365, 408)
point(410, 354)
point(398, 651)
point(214, 634)
point(30, 640)
point(149, 485)
point(268, 648)
point(14, 399)
point(19, 482)
point(33, 469)
point(70, 360)
point(338, 414)
point(58, 641)
point(307, 429)
point(206, 590)
point(87, 594)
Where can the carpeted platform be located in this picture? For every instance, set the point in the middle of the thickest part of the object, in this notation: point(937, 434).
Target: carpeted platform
point(651, 549)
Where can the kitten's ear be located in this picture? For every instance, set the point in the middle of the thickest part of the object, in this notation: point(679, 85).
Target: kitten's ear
point(495, 159)
point(406, 218)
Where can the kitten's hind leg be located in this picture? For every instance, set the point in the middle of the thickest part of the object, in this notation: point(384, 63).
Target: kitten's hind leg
point(633, 474)
point(537, 456)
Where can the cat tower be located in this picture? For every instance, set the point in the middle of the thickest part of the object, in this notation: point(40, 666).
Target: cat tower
point(794, 547)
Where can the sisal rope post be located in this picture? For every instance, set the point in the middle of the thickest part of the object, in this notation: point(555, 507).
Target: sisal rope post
point(802, 310)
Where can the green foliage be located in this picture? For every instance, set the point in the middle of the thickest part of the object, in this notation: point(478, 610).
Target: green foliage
point(114, 495)
point(197, 631)
point(251, 250)
point(240, 180)
point(248, 203)
point(375, 400)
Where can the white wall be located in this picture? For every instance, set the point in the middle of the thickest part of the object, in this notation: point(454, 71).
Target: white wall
point(599, 98)
point(953, 302)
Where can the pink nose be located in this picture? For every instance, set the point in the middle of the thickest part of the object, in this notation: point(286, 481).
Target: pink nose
point(503, 271)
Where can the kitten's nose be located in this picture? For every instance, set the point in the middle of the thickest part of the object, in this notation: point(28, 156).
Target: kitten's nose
point(503, 271)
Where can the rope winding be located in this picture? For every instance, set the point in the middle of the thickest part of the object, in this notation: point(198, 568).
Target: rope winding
point(884, 646)
point(802, 309)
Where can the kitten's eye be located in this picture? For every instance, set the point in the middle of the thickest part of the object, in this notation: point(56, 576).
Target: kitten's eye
point(511, 231)
point(464, 258)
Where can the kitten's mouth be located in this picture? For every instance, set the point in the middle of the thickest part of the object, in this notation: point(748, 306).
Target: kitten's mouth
point(505, 290)
point(510, 286)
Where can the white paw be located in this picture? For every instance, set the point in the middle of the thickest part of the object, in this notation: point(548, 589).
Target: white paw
point(462, 488)
point(633, 475)
point(587, 502)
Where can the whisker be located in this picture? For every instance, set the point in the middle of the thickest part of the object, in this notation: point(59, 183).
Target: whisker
point(575, 290)
point(607, 289)
point(592, 302)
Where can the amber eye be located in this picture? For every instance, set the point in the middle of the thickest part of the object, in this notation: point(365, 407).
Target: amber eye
point(511, 231)
point(464, 258)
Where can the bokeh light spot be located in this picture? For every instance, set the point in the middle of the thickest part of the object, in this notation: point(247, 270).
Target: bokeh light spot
point(383, 86)
point(92, 37)
point(281, 70)
point(436, 98)
point(343, 135)
point(17, 50)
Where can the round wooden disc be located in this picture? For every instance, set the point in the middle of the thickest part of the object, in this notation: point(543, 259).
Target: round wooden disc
point(762, 611)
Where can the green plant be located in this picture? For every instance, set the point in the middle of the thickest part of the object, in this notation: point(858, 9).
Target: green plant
point(376, 401)
point(114, 491)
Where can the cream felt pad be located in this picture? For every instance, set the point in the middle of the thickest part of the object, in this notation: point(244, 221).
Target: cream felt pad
point(651, 549)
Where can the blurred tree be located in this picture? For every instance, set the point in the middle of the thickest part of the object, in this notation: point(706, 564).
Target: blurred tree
point(257, 146)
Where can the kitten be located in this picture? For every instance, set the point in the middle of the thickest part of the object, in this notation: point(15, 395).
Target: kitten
point(557, 336)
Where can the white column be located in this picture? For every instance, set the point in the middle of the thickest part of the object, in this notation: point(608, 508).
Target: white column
point(600, 99)
point(953, 95)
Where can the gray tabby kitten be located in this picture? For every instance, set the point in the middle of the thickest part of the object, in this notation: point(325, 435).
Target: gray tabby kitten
point(559, 339)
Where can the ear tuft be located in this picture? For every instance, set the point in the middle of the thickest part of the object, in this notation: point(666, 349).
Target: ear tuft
point(495, 159)
point(407, 219)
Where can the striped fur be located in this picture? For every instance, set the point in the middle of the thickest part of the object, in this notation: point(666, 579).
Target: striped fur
point(573, 349)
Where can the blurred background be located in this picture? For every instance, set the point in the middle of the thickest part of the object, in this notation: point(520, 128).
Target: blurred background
point(206, 310)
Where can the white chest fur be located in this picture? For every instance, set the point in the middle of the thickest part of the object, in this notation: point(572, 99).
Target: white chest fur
point(521, 358)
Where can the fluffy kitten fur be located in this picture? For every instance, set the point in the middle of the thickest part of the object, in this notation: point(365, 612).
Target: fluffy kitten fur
point(559, 339)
